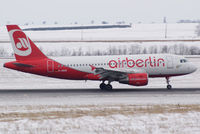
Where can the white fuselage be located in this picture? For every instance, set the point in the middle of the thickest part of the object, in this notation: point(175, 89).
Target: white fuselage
point(156, 65)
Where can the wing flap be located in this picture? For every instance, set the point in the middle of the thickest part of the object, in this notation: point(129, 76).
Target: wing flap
point(114, 74)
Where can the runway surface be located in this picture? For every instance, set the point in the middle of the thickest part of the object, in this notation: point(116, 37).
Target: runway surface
point(98, 91)
point(142, 96)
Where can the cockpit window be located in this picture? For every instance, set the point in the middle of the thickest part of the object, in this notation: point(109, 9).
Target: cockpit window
point(183, 60)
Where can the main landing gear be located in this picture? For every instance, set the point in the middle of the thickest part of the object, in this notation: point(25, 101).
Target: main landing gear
point(106, 87)
point(168, 85)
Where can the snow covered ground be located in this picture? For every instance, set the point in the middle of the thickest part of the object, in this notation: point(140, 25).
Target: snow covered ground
point(137, 31)
point(141, 32)
point(105, 119)
point(101, 118)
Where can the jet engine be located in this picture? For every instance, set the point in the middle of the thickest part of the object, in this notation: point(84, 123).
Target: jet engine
point(137, 79)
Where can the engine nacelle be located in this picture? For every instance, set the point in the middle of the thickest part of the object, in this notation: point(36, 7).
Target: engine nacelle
point(138, 79)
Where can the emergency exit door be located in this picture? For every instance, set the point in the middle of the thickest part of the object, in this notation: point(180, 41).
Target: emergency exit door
point(50, 66)
point(170, 62)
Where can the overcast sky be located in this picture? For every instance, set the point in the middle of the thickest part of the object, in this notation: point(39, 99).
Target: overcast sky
point(83, 11)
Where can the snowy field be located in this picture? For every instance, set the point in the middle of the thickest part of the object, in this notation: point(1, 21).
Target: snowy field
point(129, 119)
point(140, 32)
point(136, 32)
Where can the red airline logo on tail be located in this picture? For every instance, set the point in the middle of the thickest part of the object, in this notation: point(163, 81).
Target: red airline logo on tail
point(24, 48)
point(21, 43)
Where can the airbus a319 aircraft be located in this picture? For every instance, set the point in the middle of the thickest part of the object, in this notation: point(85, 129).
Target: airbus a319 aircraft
point(134, 70)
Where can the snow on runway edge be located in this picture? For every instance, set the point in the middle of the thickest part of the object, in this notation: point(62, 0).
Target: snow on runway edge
point(128, 119)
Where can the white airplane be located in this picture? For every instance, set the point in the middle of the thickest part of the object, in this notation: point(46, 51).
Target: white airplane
point(134, 70)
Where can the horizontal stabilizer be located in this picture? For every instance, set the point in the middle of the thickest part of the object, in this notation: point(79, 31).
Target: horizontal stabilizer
point(22, 65)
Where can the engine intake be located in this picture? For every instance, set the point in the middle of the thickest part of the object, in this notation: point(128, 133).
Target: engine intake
point(138, 79)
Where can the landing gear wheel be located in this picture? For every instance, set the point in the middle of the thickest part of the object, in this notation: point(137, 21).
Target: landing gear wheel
point(108, 87)
point(169, 87)
point(102, 86)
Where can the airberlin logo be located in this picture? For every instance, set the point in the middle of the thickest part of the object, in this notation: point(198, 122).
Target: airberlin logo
point(130, 63)
point(20, 42)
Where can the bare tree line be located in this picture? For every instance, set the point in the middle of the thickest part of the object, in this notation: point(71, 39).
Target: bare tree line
point(4, 52)
point(197, 30)
point(179, 49)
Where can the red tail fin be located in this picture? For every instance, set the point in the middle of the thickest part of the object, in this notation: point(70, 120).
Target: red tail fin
point(23, 47)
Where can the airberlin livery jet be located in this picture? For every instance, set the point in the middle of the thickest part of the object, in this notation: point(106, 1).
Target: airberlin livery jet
point(127, 69)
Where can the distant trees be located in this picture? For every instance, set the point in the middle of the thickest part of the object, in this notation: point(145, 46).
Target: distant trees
point(3, 52)
point(188, 21)
point(44, 22)
point(26, 24)
point(104, 22)
point(121, 22)
point(197, 31)
point(92, 22)
point(164, 20)
point(179, 49)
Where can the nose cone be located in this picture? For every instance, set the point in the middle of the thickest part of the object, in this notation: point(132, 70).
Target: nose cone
point(193, 68)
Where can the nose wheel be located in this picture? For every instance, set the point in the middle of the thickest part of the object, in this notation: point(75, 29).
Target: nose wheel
point(107, 87)
point(168, 85)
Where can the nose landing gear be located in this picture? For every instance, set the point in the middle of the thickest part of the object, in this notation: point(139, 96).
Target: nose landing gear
point(168, 85)
point(107, 87)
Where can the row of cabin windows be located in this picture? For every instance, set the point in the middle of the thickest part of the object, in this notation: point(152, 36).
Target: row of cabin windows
point(100, 64)
point(73, 65)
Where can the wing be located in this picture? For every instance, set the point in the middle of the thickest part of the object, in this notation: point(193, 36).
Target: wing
point(113, 75)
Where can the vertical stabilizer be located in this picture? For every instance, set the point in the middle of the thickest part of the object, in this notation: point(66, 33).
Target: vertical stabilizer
point(24, 48)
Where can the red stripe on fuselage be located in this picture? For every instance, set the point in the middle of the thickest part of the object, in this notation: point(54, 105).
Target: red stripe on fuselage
point(41, 67)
